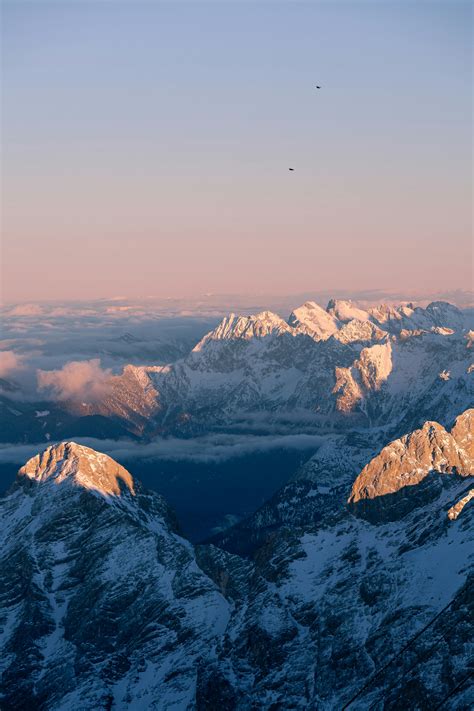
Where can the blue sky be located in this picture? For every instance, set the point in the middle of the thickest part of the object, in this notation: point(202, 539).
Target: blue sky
point(147, 146)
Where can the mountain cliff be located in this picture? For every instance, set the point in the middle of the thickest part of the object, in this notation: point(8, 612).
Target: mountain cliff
point(103, 605)
point(408, 460)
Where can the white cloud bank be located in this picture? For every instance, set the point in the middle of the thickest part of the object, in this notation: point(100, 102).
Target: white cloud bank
point(209, 449)
point(77, 380)
point(9, 363)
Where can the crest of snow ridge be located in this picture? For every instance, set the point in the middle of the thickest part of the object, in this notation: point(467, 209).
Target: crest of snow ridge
point(341, 319)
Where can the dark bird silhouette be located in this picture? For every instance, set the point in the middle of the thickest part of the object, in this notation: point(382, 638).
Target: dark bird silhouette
point(317, 87)
point(290, 168)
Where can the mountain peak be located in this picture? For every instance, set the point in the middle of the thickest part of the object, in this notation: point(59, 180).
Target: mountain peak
point(79, 465)
point(312, 319)
point(345, 310)
point(233, 327)
point(463, 431)
point(408, 460)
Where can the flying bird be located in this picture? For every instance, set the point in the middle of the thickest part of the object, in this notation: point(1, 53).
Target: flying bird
point(317, 87)
point(290, 168)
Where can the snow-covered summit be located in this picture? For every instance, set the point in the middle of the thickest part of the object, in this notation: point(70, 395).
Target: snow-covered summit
point(78, 465)
point(103, 579)
point(312, 319)
point(245, 327)
point(347, 322)
point(345, 310)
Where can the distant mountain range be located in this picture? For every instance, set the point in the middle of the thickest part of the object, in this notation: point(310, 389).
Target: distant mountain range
point(351, 589)
point(344, 367)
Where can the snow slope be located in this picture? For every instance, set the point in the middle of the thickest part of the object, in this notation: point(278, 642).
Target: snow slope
point(104, 606)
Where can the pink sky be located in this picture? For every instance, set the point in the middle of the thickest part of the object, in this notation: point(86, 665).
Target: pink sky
point(164, 170)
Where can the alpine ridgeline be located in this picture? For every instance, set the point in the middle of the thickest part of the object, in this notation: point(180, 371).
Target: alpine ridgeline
point(351, 588)
point(343, 367)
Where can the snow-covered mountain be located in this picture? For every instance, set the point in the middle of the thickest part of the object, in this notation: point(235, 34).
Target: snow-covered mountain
point(342, 367)
point(104, 606)
point(385, 594)
point(410, 459)
point(390, 367)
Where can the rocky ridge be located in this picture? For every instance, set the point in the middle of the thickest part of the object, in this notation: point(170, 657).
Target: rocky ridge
point(408, 460)
point(104, 606)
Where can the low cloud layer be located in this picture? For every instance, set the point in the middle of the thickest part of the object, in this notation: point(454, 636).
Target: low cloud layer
point(211, 449)
point(9, 363)
point(77, 380)
point(25, 310)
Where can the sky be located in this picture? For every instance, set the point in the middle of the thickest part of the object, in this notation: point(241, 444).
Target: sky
point(146, 147)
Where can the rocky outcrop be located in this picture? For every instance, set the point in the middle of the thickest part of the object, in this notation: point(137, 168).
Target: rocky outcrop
point(73, 463)
point(357, 331)
point(455, 510)
point(463, 433)
point(367, 374)
point(103, 605)
point(408, 460)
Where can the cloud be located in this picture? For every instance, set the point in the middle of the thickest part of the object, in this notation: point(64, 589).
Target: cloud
point(9, 362)
point(25, 310)
point(19, 453)
point(77, 380)
point(210, 449)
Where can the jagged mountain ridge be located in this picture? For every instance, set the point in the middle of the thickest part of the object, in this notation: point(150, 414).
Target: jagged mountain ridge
point(259, 363)
point(356, 467)
point(361, 582)
point(104, 605)
point(344, 367)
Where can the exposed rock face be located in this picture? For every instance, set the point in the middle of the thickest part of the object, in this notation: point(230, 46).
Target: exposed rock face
point(357, 331)
point(103, 605)
point(463, 433)
point(82, 466)
point(455, 510)
point(375, 365)
point(348, 389)
point(130, 396)
point(408, 460)
point(367, 374)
